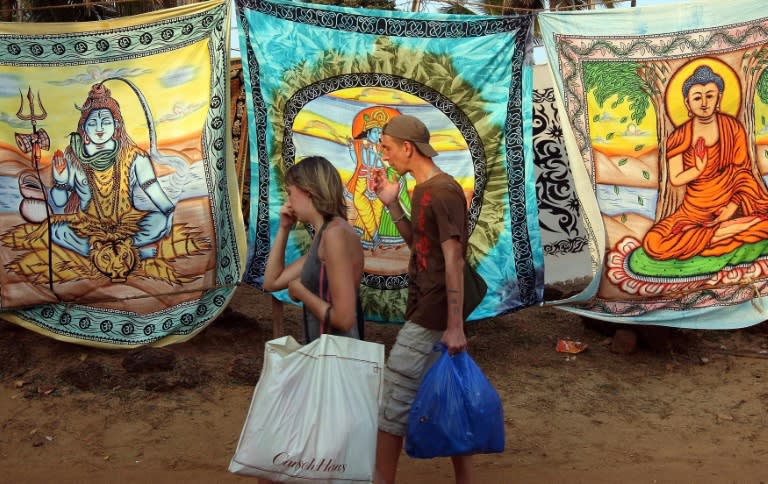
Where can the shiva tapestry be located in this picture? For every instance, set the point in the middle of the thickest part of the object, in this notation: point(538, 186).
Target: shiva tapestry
point(667, 111)
point(324, 80)
point(121, 223)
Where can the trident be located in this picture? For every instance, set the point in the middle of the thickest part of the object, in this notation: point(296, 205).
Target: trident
point(37, 140)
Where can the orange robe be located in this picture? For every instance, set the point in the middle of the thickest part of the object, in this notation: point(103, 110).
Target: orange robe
point(727, 177)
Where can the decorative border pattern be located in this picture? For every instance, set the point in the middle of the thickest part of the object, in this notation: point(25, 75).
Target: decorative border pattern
point(377, 25)
point(728, 296)
point(107, 326)
point(110, 45)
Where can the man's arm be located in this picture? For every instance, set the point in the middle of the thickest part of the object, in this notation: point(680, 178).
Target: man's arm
point(454, 337)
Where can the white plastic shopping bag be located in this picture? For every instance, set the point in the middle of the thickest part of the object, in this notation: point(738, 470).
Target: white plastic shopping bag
point(313, 416)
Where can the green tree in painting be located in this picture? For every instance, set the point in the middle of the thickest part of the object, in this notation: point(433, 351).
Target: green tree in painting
point(753, 67)
point(641, 85)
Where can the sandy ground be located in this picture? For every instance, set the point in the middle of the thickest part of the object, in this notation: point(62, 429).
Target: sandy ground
point(686, 406)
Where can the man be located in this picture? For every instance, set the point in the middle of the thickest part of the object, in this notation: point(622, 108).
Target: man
point(437, 237)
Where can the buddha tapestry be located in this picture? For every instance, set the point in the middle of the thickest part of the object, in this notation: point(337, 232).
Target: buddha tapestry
point(667, 132)
point(121, 223)
point(324, 80)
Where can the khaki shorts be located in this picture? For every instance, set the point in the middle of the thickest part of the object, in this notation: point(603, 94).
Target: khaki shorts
point(409, 360)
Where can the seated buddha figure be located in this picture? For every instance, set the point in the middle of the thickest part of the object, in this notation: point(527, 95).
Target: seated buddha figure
point(724, 205)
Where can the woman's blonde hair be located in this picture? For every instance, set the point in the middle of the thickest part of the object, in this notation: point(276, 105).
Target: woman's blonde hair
point(318, 177)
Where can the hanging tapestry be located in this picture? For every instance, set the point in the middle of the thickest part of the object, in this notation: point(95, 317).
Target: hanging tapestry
point(667, 111)
point(323, 81)
point(566, 256)
point(121, 223)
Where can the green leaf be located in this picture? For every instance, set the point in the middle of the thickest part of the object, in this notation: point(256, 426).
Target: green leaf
point(623, 161)
point(609, 136)
point(639, 147)
point(595, 118)
point(623, 119)
point(616, 189)
point(640, 200)
point(646, 175)
point(623, 218)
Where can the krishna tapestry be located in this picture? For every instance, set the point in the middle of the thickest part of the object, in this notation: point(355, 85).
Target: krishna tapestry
point(121, 221)
point(668, 118)
point(324, 80)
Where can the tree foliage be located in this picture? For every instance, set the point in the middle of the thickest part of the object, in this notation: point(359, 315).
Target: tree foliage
point(607, 79)
point(90, 10)
point(82, 10)
point(515, 7)
point(373, 4)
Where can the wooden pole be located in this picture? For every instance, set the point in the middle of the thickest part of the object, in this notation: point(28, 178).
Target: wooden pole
point(277, 317)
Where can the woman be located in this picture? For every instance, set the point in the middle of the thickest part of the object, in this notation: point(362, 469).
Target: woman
point(725, 206)
point(316, 197)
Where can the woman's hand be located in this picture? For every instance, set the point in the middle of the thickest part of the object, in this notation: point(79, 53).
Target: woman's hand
point(287, 216)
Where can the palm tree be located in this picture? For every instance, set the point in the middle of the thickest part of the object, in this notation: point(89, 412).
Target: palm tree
point(373, 4)
point(514, 7)
point(80, 10)
point(510, 7)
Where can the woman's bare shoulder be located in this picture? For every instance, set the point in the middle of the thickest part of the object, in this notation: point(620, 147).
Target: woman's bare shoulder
point(340, 231)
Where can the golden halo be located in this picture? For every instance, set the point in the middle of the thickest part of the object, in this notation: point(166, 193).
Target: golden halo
point(730, 103)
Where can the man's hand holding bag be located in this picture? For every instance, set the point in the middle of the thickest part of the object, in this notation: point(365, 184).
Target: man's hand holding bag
point(456, 411)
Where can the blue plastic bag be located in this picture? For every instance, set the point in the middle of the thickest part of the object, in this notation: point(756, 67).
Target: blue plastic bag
point(456, 411)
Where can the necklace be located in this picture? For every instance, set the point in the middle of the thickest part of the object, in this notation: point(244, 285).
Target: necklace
point(435, 171)
point(106, 209)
